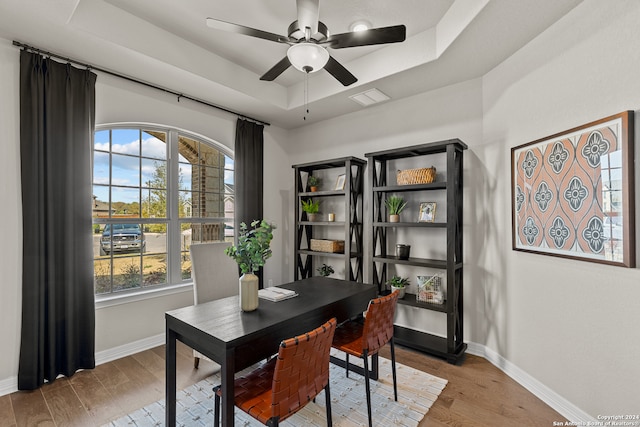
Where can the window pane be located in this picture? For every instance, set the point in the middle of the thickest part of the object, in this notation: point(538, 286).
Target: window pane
point(185, 204)
point(188, 149)
point(209, 232)
point(228, 163)
point(210, 156)
point(102, 275)
point(119, 238)
point(100, 168)
point(155, 238)
point(154, 262)
point(213, 205)
point(154, 144)
point(126, 141)
point(228, 177)
point(125, 170)
point(126, 272)
point(155, 269)
point(196, 178)
point(185, 255)
point(185, 176)
point(100, 201)
point(154, 173)
point(154, 203)
point(125, 201)
point(101, 140)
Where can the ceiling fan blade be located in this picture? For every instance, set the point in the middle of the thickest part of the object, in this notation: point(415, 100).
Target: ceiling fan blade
point(308, 14)
point(373, 36)
point(247, 31)
point(276, 70)
point(341, 74)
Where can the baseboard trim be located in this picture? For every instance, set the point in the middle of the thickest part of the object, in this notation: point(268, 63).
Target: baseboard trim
point(129, 349)
point(10, 385)
point(565, 408)
point(544, 393)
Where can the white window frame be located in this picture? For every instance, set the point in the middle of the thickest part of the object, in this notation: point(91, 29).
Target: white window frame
point(175, 283)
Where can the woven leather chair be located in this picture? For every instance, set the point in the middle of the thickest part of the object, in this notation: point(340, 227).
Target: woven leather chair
point(366, 339)
point(282, 386)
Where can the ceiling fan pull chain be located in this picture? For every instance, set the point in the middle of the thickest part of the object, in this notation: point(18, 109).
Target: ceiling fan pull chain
point(306, 95)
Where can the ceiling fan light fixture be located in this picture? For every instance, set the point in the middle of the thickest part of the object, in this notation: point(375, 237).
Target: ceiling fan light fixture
point(308, 57)
point(360, 25)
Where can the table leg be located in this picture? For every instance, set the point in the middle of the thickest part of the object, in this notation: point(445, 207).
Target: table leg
point(227, 371)
point(170, 379)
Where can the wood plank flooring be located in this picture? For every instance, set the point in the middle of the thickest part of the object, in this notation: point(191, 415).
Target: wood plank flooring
point(478, 394)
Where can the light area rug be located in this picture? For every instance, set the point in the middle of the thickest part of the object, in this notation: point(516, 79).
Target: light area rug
point(417, 391)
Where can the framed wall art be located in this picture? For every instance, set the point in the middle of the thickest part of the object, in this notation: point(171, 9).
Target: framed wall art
point(573, 193)
point(427, 212)
point(340, 182)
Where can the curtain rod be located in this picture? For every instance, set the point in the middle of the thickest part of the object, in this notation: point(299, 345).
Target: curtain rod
point(134, 80)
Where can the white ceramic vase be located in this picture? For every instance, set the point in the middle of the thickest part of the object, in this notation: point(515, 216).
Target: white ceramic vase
point(400, 291)
point(248, 292)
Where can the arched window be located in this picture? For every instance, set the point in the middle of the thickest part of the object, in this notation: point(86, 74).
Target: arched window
point(155, 192)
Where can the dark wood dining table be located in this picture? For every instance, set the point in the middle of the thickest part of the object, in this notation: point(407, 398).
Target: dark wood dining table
point(236, 339)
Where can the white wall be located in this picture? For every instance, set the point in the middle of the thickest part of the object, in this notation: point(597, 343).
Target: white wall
point(11, 224)
point(572, 325)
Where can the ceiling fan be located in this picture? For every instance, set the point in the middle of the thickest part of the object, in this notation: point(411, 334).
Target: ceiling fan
point(309, 39)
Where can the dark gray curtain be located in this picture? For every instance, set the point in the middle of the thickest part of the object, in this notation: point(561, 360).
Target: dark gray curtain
point(57, 114)
point(249, 153)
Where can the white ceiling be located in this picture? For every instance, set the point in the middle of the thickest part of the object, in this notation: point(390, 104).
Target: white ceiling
point(166, 42)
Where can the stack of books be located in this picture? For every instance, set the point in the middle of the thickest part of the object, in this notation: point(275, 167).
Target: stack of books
point(276, 294)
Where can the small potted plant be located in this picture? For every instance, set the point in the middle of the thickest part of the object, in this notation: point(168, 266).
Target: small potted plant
point(398, 283)
point(313, 182)
point(395, 205)
point(325, 270)
point(251, 253)
point(312, 208)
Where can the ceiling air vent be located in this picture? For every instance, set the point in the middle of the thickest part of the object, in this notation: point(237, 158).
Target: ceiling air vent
point(369, 97)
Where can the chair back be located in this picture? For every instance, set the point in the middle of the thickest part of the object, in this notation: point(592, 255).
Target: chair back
point(302, 369)
point(215, 274)
point(378, 325)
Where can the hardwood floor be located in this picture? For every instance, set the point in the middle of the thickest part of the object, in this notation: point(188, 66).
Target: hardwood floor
point(478, 394)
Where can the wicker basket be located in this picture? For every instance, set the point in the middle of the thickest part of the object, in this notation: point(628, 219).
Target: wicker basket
point(332, 246)
point(416, 176)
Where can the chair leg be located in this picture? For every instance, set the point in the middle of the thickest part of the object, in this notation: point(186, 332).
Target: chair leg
point(327, 395)
point(393, 369)
point(347, 364)
point(196, 362)
point(365, 358)
point(216, 407)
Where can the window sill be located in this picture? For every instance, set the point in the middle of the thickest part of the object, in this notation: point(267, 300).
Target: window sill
point(104, 301)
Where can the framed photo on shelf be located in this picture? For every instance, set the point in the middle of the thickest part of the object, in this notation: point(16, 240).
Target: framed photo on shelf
point(340, 182)
point(573, 193)
point(427, 212)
